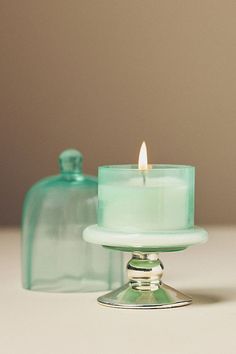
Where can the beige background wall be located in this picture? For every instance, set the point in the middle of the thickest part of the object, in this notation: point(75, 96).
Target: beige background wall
point(103, 75)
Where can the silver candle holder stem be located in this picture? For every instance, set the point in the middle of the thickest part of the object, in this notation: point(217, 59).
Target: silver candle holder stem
point(145, 288)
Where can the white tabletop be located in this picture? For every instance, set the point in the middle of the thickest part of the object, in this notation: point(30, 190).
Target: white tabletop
point(42, 323)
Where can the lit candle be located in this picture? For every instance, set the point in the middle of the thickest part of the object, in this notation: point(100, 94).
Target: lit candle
point(146, 198)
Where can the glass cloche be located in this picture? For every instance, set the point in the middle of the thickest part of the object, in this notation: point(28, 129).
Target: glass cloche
point(54, 255)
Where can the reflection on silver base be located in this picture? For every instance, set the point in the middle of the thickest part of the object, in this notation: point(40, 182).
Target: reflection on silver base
point(128, 298)
point(145, 289)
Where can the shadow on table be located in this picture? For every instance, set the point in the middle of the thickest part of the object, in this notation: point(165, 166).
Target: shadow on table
point(211, 295)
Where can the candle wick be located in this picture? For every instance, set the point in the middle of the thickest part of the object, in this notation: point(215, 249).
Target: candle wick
point(144, 177)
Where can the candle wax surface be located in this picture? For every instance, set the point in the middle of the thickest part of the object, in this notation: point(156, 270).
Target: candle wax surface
point(161, 203)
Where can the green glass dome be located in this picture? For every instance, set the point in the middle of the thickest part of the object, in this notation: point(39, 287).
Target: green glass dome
point(54, 256)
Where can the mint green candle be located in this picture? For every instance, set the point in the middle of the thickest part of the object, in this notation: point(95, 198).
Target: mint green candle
point(134, 200)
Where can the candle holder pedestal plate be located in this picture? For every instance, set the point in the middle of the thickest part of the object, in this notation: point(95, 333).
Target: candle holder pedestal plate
point(145, 289)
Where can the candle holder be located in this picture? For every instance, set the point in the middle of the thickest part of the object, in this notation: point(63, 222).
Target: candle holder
point(145, 289)
point(145, 210)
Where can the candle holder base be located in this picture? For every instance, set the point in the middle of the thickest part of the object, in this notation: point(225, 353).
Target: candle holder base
point(145, 288)
point(127, 298)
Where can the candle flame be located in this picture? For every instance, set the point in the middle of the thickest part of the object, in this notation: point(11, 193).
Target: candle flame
point(143, 160)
